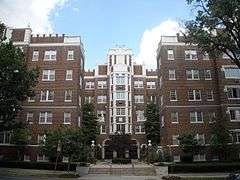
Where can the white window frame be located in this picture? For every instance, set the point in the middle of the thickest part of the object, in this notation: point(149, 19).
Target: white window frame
point(200, 137)
point(70, 92)
point(140, 115)
point(138, 84)
point(151, 85)
point(35, 55)
point(43, 159)
point(192, 55)
point(193, 72)
point(101, 99)
point(206, 72)
point(194, 91)
point(30, 115)
point(172, 72)
point(229, 90)
point(70, 55)
point(47, 96)
point(141, 128)
point(89, 85)
point(211, 92)
point(69, 72)
point(5, 135)
point(49, 73)
point(236, 112)
point(175, 95)
point(65, 116)
point(170, 54)
point(102, 114)
point(102, 84)
point(175, 141)
point(196, 117)
point(40, 138)
point(139, 99)
point(224, 68)
point(205, 56)
point(45, 117)
point(31, 99)
point(26, 158)
point(101, 129)
point(120, 95)
point(120, 79)
point(120, 111)
point(52, 55)
point(199, 157)
point(171, 116)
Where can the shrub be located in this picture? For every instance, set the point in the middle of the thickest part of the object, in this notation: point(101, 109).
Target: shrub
point(121, 161)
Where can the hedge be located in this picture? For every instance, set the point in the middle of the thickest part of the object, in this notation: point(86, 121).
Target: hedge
point(204, 167)
point(121, 161)
point(39, 165)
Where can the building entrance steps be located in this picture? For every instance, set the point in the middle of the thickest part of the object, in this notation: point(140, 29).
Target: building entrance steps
point(135, 168)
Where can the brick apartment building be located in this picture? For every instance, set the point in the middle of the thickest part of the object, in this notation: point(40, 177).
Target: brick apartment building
point(192, 90)
point(120, 90)
point(58, 93)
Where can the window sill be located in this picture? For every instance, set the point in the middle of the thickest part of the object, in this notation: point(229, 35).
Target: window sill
point(67, 100)
point(200, 122)
point(233, 98)
point(70, 59)
point(34, 60)
point(195, 100)
point(173, 100)
point(191, 59)
point(46, 101)
point(49, 59)
point(193, 79)
point(139, 132)
point(211, 100)
point(45, 123)
point(208, 79)
point(68, 79)
point(175, 122)
point(172, 79)
point(234, 120)
point(67, 123)
point(31, 101)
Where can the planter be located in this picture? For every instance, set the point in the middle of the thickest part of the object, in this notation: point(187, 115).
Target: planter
point(82, 170)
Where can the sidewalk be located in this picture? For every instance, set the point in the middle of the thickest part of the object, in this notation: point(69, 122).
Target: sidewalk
point(222, 175)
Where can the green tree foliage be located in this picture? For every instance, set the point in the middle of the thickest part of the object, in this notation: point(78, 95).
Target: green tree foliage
point(152, 124)
point(16, 82)
point(220, 137)
point(89, 123)
point(216, 27)
point(188, 143)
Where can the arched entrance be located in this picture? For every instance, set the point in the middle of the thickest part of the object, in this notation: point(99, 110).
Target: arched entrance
point(120, 146)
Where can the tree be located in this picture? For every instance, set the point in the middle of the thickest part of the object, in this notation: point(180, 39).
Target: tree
point(219, 137)
point(152, 124)
point(189, 145)
point(89, 123)
point(216, 27)
point(16, 82)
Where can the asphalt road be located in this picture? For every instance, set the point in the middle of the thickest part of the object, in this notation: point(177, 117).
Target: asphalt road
point(29, 178)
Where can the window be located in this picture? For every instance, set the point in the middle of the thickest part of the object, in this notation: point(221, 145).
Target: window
point(174, 117)
point(139, 99)
point(160, 82)
point(176, 158)
point(50, 55)
point(173, 95)
point(70, 55)
point(211, 117)
point(101, 115)
point(210, 96)
point(192, 74)
point(196, 117)
point(233, 92)
point(67, 118)
point(45, 118)
point(120, 95)
point(29, 118)
point(31, 99)
point(120, 80)
point(102, 84)
point(151, 85)
point(5, 137)
point(171, 74)
point(205, 56)
point(162, 122)
point(151, 99)
point(120, 111)
point(194, 95)
point(139, 129)
point(68, 96)
point(42, 158)
point(47, 96)
point(175, 140)
point(138, 84)
point(190, 55)
point(48, 75)
point(69, 74)
point(88, 99)
point(102, 129)
point(234, 114)
point(161, 100)
point(140, 115)
point(89, 85)
point(199, 157)
point(65, 159)
point(170, 54)
point(207, 74)
point(200, 139)
point(26, 158)
point(101, 99)
point(41, 138)
point(35, 56)
point(232, 72)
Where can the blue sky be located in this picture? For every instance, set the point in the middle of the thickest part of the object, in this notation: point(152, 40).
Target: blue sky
point(104, 23)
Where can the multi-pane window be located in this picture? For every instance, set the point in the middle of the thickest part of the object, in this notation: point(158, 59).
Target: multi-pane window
point(120, 111)
point(120, 79)
point(175, 140)
point(151, 99)
point(207, 74)
point(170, 54)
point(210, 96)
point(139, 129)
point(31, 99)
point(233, 92)
point(192, 74)
point(211, 117)
point(199, 157)
point(89, 85)
point(102, 84)
point(196, 117)
point(50, 55)
point(41, 138)
point(88, 99)
point(174, 117)
point(35, 56)
point(42, 158)
point(68, 96)
point(171, 74)
point(101, 115)
point(101, 99)
point(69, 74)
point(140, 115)
point(29, 119)
point(102, 129)
point(200, 139)
point(26, 158)
point(173, 95)
point(47, 95)
point(139, 99)
point(5, 137)
point(48, 75)
point(151, 85)
point(194, 95)
point(67, 118)
point(190, 55)
point(138, 84)
point(45, 118)
point(70, 55)
point(120, 95)
point(235, 114)
point(232, 72)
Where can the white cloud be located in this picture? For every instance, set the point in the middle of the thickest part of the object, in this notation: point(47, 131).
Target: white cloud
point(36, 13)
point(75, 9)
point(150, 39)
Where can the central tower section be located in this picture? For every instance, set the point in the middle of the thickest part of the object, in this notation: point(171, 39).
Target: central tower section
point(120, 70)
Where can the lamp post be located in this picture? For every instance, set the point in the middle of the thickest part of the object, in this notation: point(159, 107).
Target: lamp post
point(149, 150)
point(93, 151)
point(59, 147)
